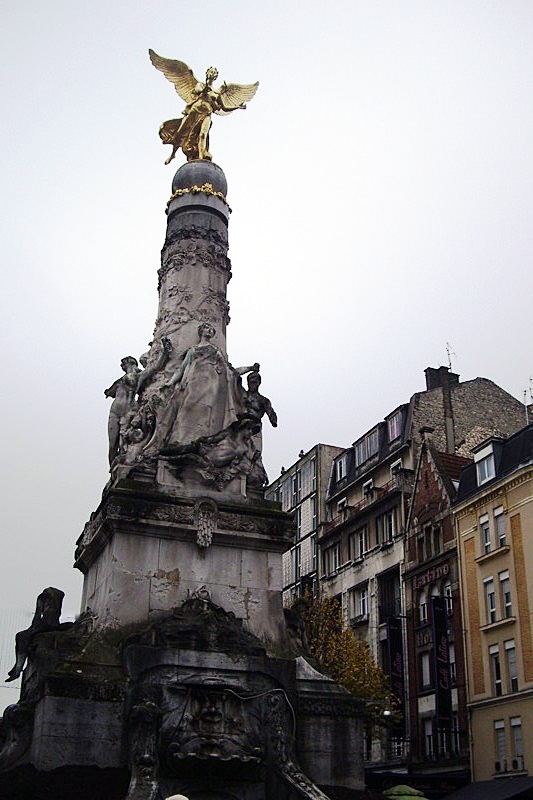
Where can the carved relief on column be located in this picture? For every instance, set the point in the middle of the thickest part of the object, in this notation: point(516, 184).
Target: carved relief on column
point(206, 514)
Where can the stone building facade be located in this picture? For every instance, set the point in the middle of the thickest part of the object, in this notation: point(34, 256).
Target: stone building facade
point(494, 523)
point(301, 490)
point(436, 711)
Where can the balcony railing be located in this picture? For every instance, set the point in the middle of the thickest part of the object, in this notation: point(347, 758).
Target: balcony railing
point(376, 494)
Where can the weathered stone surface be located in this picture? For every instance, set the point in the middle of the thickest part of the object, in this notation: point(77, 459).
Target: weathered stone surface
point(75, 731)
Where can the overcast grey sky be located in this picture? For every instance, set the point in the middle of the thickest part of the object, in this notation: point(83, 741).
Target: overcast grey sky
point(381, 187)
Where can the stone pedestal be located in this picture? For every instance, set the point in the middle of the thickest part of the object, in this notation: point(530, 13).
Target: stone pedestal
point(145, 552)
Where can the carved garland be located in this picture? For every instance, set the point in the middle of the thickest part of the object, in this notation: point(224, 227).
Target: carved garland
point(206, 188)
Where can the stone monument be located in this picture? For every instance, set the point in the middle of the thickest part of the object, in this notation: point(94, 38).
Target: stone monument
point(181, 675)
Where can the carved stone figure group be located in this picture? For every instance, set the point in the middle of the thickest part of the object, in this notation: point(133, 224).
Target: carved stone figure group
point(195, 408)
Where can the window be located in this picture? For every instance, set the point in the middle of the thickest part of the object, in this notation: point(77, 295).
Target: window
point(359, 543)
point(499, 741)
point(294, 487)
point(499, 526)
point(448, 597)
point(313, 513)
point(485, 469)
point(366, 447)
point(390, 526)
point(394, 426)
point(485, 533)
point(385, 527)
point(372, 443)
point(298, 522)
point(358, 601)
point(512, 667)
point(395, 467)
point(420, 550)
point(494, 655)
point(313, 474)
point(455, 736)
point(428, 541)
point(360, 452)
point(505, 590)
point(425, 670)
point(285, 492)
point(423, 606)
point(362, 541)
point(516, 734)
point(453, 668)
point(368, 486)
point(428, 738)
point(314, 552)
point(332, 558)
point(490, 600)
point(341, 505)
point(340, 467)
point(437, 540)
point(296, 554)
point(443, 739)
point(363, 600)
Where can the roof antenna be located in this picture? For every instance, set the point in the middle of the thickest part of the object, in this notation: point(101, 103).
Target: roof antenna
point(450, 353)
point(530, 397)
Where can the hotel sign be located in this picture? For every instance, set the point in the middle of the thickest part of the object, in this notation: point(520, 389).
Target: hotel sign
point(431, 575)
point(441, 661)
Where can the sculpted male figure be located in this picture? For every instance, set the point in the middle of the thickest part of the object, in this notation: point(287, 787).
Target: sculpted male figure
point(256, 406)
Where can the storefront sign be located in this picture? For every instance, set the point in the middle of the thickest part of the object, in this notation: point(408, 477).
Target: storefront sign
point(441, 661)
point(431, 575)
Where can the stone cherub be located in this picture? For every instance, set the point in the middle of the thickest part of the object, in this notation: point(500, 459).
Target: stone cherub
point(191, 132)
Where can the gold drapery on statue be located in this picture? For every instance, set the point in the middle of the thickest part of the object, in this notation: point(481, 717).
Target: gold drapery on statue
point(191, 131)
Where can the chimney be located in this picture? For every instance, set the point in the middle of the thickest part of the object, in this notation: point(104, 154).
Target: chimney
point(439, 377)
point(425, 433)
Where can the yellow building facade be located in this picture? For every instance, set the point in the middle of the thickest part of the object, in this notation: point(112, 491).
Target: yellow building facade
point(494, 526)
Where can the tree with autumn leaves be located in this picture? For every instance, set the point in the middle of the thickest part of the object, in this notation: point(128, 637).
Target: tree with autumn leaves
point(341, 655)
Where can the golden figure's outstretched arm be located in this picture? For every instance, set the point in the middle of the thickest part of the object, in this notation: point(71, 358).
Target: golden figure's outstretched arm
point(177, 73)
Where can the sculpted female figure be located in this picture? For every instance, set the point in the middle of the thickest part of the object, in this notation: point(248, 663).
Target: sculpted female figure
point(191, 131)
point(208, 396)
point(123, 392)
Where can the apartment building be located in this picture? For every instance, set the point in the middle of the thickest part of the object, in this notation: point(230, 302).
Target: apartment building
point(362, 544)
point(494, 524)
point(302, 489)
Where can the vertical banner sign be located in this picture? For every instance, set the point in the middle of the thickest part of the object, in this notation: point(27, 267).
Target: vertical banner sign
point(441, 662)
point(395, 642)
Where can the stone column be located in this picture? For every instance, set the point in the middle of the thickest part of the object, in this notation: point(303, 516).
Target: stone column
point(195, 268)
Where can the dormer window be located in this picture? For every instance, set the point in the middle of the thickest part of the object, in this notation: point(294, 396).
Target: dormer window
point(394, 426)
point(340, 467)
point(484, 460)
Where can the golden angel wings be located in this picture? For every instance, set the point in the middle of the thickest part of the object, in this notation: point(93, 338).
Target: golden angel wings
point(191, 132)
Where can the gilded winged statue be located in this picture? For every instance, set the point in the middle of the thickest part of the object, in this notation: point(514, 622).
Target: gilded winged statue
point(191, 132)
